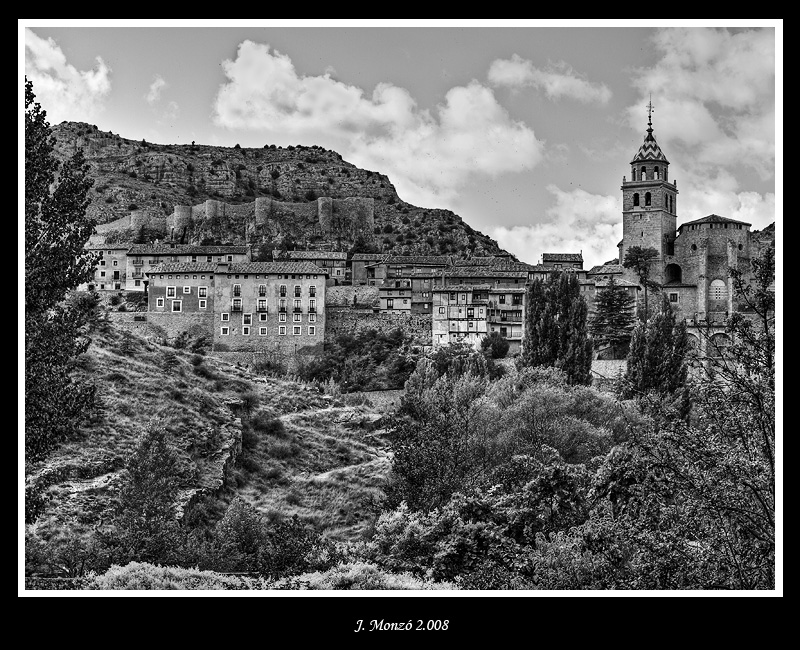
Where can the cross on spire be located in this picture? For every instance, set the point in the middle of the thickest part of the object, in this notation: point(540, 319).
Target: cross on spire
point(650, 112)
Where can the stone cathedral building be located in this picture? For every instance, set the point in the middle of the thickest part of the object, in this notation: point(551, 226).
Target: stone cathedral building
point(693, 258)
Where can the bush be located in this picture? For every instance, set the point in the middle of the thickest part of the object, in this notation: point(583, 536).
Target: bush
point(496, 345)
point(143, 576)
point(360, 576)
point(268, 426)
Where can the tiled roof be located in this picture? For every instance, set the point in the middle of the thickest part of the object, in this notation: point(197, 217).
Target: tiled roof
point(618, 281)
point(274, 267)
point(108, 247)
point(432, 260)
point(369, 257)
point(462, 287)
point(562, 257)
point(485, 272)
point(649, 149)
point(311, 255)
point(186, 249)
point(606, 268)
point(712, 218)
point(184, 267)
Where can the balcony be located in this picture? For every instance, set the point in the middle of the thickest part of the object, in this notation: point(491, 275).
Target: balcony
point(236, 308)
point(297, 310)
point(137, 274)
point(312, 293)
point(138, 262)
point(297, 294)
point(262, 294)
point(152, 261)
point(237, 292)
point(312, 310)
point(281, 310)
point(262, 310)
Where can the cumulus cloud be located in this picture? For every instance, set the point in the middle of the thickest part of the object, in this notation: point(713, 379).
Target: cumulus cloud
point(154, 92)
point(64, 92)
point(714, 93)
point(578, 221)
point(714, 98)
point(557, 80)
point(429, 154)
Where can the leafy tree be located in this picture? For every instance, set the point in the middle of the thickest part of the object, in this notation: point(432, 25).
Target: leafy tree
point(555, 328)
point(612, 322)
point(657, 357)
point(146, 528)
point(496, 345)
point(56, 230)
point(639, 260)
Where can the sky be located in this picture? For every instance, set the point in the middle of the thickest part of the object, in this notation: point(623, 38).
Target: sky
point(523, 129)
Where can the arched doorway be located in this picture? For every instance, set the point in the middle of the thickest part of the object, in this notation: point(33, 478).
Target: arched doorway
point(672, 274)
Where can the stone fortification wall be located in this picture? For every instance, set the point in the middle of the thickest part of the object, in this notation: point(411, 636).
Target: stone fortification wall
point(342, 320)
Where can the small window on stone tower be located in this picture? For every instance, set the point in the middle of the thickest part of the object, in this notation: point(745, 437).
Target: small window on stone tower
point(636, 198)
point(655, 173)
point(647, 198)
point(633, 174)
point(666, 202)
point(644, 173)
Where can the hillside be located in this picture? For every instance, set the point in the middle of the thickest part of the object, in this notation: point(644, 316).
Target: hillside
point(309, 454)
point(148, 180)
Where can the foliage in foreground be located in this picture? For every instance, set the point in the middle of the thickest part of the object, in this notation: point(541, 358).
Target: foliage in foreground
point(56, 229)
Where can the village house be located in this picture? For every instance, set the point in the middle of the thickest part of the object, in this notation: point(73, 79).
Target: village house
point(143, 258)
point(110, 272)
point(395, 296)
point(563, 261)
point(334, 262)
point(270, 306)
point(363, 268)
point(245, 306)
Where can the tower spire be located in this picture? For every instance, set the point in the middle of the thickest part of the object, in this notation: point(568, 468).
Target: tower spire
point(650, 114)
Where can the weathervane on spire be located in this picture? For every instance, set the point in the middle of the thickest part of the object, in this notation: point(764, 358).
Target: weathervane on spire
point(650, 111)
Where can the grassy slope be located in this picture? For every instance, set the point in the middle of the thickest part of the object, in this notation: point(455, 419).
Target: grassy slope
point(322, 466)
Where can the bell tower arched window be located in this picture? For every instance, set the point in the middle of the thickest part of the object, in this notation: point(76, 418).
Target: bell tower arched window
point(647, 198)
point(636, 198)
point(655, 173)
point(666, 202)
point(633, 174)
point(644, 173)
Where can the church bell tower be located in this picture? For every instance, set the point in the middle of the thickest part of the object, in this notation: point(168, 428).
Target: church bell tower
point(649, 204)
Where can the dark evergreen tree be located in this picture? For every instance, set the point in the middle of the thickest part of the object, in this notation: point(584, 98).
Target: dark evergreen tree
point(56, 230)
point(657, 356)
point(639, 260)
point(146, 527)
point(555, 328)
point(496, 345)
point(613, 319)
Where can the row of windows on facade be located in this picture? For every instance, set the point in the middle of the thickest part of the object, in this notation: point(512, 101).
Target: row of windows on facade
point(669, 204)
point(516, 299)
point(177, 306)
point(202, 292)
point(643, 174)
point(247, 319)
point(262, 331)
point(138, 261)
point(697, 226)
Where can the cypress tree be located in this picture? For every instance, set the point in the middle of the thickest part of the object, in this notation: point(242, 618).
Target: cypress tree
point(612, 322)
point(555, 328)
point(657, 356)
